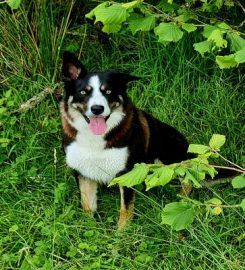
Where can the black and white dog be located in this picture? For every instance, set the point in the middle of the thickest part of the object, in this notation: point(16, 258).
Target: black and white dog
point(104, 135)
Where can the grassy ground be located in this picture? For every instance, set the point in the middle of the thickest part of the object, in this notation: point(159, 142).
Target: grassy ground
point(42, 225)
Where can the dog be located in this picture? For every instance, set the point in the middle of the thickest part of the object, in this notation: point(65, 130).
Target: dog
point(104, 134)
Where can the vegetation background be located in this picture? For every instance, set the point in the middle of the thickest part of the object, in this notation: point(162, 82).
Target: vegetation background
point(42, 225)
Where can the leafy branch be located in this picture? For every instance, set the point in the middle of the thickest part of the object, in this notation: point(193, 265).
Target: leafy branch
point(190, 172)
point(170, 22)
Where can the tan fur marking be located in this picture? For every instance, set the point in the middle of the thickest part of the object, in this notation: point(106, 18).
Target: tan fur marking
point(88, 191)
point(146, 129)
point(67, 128)
point(122, 129)
point(88, 87)
point(103, 87)
point(126, 214)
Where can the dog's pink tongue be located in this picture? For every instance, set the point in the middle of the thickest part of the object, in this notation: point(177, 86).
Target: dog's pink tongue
point(97, 125)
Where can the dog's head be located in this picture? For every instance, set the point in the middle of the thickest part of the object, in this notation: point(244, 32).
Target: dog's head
point(98, 96)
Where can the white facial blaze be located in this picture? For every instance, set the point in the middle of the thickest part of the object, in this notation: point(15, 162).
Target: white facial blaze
point(97, 97)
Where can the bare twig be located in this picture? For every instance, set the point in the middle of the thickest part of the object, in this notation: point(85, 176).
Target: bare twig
point(35, 100)
point(216, 182)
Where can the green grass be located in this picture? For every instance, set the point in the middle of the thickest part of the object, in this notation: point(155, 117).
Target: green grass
point(42, 225)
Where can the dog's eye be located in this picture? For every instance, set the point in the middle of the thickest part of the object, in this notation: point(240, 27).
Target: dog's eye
point(108, 92)
point(83, 92)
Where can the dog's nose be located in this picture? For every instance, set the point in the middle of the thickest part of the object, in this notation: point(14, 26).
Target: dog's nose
point(97, 109)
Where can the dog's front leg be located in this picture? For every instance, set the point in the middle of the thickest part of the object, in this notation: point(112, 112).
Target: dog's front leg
point(127, 206)
point(88, 191)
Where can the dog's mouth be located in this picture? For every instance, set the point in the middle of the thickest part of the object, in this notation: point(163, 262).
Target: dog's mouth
point(97, 124)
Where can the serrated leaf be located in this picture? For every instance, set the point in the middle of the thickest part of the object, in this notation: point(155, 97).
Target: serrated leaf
point(132, 4)
point(219, 3)
point(112, 16)
point(227, 61)
point(198, 149)
point(237, 42)
point(224, 26)
point(208, 29)
point(240, 56)
point(14, 4)
point(165, 6)
point(136, 176)
point(185, 15)
point(111, 28)
point(91, 14)
point(203, 47)
point(217, 37)
point(217, 141)
point(238, 181)
point(242, 204)
point(189, 27)
point(180, 170)
point(138, 22)
point(168, 32)
point(160, 178)
point(179, 215)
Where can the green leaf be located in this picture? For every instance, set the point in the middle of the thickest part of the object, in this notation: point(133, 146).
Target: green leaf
point(214, 201)
point(138, 22)
point(242, 204)
point(217, 141)
point(240, 56)
point(189, 27)
point(4, 142)
point(219, 3)
point(191, 178)
point(203, 47)
point(185, 15)
point(111, 28)
point(91, 14)
point(180, 170)
point(8, 93)
point(179, 215)
point(112, 16)
point(227, 61)
point(14, 4)
point(208, 29)
point(198, 149)
point(168, 32)
point(132, 4)
point(136, 176)
point(165, 6)
point(14, 228)
point(224, 26)
point(237, 42)
point(217, 37)
point(238, 181)
point(229, 3)
point(216, 210)
point(160, 177)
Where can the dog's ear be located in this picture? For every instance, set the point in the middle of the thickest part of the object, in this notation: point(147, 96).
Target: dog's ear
point(72, 68)
point(122, 77)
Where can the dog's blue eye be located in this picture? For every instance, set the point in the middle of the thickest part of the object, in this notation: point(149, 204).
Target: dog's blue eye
point(108, 92)
point(83, 92)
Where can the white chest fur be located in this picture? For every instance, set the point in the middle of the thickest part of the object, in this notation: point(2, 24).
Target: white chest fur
point(87, 155)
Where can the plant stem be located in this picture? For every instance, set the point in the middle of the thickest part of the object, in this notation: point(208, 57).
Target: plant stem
point(229, 168)
point(230, 162)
